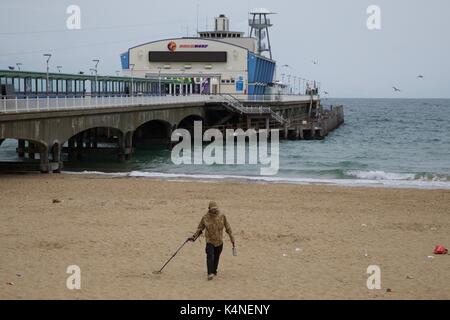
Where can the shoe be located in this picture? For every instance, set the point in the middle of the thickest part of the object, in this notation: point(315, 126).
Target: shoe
point(210, 277)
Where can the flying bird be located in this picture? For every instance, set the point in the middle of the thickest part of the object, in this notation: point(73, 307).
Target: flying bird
point(396, 89)
point(315, 62)
point(420, 76)
point(325, 92)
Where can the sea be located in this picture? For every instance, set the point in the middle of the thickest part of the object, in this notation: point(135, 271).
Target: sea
point(390, 143)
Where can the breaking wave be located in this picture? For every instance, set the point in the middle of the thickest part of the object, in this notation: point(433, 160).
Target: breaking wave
point(363, 179)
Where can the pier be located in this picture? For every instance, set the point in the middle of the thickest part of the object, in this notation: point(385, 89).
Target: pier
point(48, 128)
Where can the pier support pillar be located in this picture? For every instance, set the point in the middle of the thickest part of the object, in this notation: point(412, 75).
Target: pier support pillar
point(56, 157)
point(267, 124)
point(31, 150)
point(95, 137)
point(71, 146)
point(21, 148)
point(79, 147)
point(125, 146)
point(249, 122)
point(45, 163)
point(128, 145)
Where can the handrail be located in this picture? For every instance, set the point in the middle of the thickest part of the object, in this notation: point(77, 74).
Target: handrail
point(27, 104)
point(235, 103)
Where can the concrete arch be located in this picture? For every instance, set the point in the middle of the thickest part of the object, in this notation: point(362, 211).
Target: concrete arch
point(188, 121)
point(153, 132)
point(20, 138)
point(87, 142)
point(82, 128)
point(91, 129)
point(29, 148)
point(172, 116)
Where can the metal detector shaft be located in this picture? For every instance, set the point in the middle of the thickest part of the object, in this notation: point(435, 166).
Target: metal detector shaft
point(173, 256)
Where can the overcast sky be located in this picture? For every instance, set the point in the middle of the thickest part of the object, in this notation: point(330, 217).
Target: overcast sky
point(352, 60)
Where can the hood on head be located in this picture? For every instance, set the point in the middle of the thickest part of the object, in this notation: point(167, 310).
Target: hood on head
point(213, 207)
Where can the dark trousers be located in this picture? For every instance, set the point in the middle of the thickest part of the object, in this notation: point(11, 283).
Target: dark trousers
point(212, 258)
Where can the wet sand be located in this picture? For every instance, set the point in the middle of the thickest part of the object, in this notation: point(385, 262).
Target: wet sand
point(294, 242)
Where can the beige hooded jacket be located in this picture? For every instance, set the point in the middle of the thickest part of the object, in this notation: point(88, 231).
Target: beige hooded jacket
point(214, 222)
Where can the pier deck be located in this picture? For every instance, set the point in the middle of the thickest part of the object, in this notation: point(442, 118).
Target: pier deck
point(48, 128)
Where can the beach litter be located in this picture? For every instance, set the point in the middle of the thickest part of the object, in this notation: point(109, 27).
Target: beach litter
point(298, 249)
point(440, 250)
point(56, 201)
point(10, 283)
point(389, 290)
point(430, 257)
point(285, 255)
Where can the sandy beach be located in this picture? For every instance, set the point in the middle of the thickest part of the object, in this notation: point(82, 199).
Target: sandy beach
point(294, 242)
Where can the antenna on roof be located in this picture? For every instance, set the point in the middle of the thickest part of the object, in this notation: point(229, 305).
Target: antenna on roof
point(198, 9)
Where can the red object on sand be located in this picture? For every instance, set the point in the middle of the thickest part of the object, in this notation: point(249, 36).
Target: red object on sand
point(440, 250)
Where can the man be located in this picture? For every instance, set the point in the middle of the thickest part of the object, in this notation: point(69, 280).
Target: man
point(213, 222)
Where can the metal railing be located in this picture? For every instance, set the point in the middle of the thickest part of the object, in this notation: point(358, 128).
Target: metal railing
point(20, 105)
point(276, 98)
point(234, 103)
point(57, 104)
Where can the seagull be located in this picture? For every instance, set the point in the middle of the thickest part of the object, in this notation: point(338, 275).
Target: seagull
point(325, 92)
point(420, 76)
point(11, 68)
point(396, 89)
point(315, 62)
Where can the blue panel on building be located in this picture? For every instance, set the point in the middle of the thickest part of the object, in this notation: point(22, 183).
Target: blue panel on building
point(260, 74)
point(125, 60)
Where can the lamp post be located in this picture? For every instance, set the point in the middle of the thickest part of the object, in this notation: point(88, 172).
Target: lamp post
point(289, 84)
point(18, 64)
point(289, 76)
point(159, 79)
point(96, 61)
point(132, 65)
point(48, 56)
point(295, 85)
point(59, 68)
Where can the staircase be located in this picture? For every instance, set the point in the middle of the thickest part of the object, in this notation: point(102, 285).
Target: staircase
point(234, 105)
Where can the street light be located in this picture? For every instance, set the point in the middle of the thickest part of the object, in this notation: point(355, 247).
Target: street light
point(48, 56)
point(97, 61)
point(159, 79)
point(289, 76)
point(289, 83)
point(132, 65)
point(18, 64)
point(59, 68)
point(295, 84)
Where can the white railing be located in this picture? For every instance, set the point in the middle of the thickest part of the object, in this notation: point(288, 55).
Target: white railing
point(276, 98)
point(20, 105)
point(233, 102)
